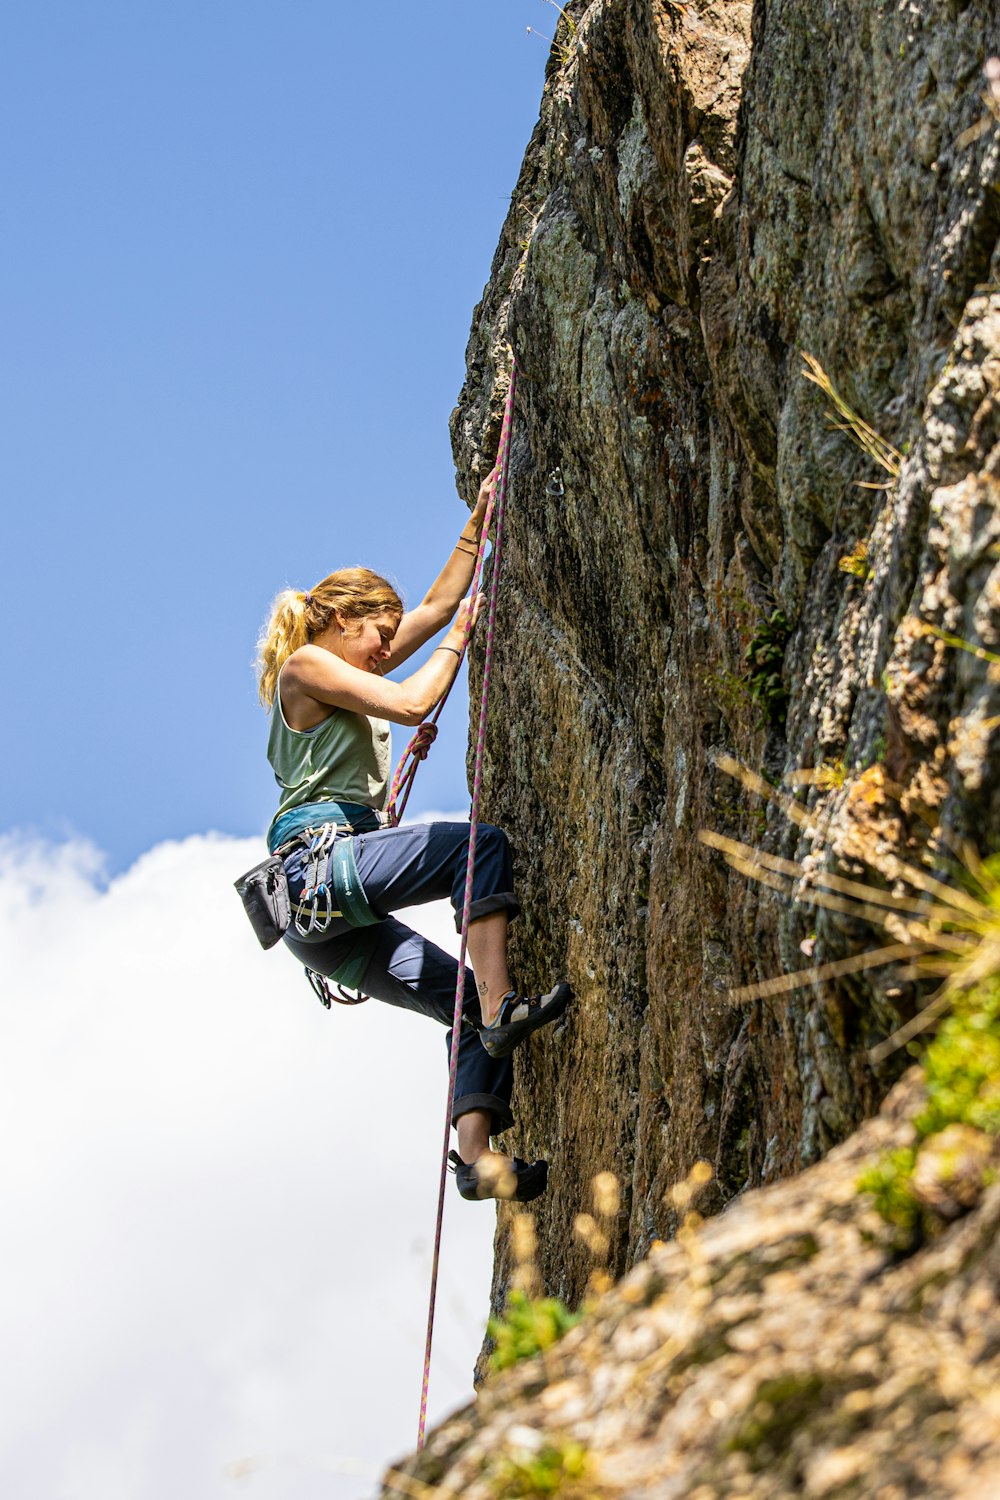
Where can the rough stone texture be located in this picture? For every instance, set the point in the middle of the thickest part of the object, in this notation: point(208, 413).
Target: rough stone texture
point(712, 189)
point(776, 1351)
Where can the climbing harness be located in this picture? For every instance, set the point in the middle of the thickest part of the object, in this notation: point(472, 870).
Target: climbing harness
point(494, 510)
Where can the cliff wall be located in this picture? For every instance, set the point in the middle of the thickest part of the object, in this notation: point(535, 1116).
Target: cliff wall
point(695, 567)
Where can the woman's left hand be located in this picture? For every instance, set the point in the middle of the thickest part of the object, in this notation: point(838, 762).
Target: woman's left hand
point(486, 489)
point(465, 622)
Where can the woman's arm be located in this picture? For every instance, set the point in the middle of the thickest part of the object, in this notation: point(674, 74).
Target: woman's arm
point(448, 589)
point(312, 677)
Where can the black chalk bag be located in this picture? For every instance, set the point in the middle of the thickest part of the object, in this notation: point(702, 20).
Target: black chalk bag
point(264, 893)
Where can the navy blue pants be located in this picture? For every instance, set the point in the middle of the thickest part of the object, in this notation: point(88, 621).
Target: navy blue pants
point(405, 867)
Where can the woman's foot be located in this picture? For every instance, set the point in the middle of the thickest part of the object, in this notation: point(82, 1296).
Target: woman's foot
point(520, 1015)
point(494, 1176)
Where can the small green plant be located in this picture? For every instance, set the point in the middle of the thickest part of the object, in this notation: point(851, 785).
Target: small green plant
point(856, 562)
point(559, 1468)
point(563, 49)
point(528, 1325)
point(727, 691)
point(829, 775)
point(530, 1322)
point(890, 1183)
point(962, 1071)
point(764, 659)
point(845, 419)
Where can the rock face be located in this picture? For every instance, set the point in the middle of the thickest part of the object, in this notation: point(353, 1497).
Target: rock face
point(694, 564)
point(777, 1351)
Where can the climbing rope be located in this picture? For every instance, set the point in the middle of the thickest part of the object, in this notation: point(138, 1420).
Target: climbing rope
point(416, 750)
point(494, 509)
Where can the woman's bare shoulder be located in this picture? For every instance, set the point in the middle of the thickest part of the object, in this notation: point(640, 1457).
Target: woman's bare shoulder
point(308, 671)
point(309, 663)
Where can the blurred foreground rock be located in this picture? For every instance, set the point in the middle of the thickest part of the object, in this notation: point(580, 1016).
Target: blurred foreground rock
point(775, 1351)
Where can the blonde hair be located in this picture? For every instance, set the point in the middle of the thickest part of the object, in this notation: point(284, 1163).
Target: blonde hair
point(296, 618)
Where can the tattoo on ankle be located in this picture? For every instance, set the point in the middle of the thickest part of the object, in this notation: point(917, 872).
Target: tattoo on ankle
point(484, 990)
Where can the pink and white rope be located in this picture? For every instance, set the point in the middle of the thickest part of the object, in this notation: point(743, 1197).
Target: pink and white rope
point(495, 509)
point(426, 733)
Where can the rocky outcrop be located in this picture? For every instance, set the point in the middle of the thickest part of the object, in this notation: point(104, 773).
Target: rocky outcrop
point(694, 565)
point(775, 1351)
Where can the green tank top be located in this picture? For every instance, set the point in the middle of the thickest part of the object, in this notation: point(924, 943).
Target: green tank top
point(346, 758)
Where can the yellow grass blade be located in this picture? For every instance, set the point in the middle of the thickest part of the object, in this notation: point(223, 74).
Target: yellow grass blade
point(782, 984)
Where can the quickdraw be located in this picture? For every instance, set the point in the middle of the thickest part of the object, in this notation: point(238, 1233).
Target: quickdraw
point(310, 916)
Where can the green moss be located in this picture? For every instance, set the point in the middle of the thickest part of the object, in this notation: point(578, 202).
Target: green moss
point(888, 1181)
point(556, 1469)
point(760, 684)
point(779, 1408)
point(764, 658)
point(962, 1066)
point(528, 1325)
point(962, 1069)
point(856, 561)
point(729, 692)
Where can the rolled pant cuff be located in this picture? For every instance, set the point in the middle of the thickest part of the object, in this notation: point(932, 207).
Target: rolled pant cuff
point(501, 901)
point(499, 1108)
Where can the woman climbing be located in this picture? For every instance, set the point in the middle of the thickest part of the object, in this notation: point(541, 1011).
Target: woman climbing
point(322, 657)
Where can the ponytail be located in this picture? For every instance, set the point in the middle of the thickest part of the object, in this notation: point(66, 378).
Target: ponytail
point(297, 618)
point(285, 631)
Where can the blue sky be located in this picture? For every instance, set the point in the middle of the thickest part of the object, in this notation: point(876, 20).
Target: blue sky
point(242, 246)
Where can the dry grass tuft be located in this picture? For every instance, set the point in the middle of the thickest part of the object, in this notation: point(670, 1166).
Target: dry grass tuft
point(845, 419)
point(991, 98)
point(946, 931)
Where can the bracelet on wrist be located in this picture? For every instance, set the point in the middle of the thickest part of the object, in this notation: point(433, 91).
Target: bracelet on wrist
point(450, 648)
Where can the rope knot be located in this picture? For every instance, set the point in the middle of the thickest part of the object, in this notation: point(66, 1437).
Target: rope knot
point(423, 740)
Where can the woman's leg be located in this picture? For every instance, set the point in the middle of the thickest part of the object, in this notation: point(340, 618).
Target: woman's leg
point(488, 954)
point(473, 1129)
point(406, 969)
point(401, 867)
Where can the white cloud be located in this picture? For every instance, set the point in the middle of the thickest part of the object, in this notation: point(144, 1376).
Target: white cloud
point(219, 1198)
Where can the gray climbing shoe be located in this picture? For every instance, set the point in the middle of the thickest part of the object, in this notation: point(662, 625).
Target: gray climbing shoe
point(520, 1015)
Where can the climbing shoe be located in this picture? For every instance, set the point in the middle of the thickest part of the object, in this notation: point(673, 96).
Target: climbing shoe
point(490, 1177)
point(520, 1015)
